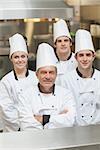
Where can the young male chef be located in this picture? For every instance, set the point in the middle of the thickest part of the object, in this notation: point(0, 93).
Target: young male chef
point(84, 81)
point(46, 105)
point(63, 49)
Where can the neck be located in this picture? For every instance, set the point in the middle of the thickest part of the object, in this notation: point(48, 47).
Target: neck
point(45, 89)
point(21, 73)
point(64, 56)
point(86, 73)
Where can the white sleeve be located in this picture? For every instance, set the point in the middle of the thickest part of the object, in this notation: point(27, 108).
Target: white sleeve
point(66, 119)
point(26, 115)
point(8, 109)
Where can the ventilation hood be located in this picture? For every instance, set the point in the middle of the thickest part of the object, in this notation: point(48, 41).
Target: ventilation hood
point(20, 9)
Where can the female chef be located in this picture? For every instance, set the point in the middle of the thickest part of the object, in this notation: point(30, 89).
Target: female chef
point(16, 81)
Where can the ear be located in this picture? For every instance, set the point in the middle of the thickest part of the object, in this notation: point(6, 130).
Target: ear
point(54, 45)
point(36, 73)
point(11, 59)
point(94, 55)
point(75, 56)
point(70, 43)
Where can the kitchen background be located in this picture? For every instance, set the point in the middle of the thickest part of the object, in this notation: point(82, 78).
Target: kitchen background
point(34, 19)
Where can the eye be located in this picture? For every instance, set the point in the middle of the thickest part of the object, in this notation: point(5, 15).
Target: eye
point(43, 72)
point(81, 55)
point(16, 57)
point(66, 40)
point(51, 72)
point(88, 55)
point(23, 56)
point(59, 41)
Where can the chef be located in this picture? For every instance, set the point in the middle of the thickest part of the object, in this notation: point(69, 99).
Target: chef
point(16, 81)
point(63, 45)
point(46, 105)
point(84, 81)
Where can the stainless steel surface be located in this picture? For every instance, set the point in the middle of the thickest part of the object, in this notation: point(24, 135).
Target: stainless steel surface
point(65, 138)
point(19, 9)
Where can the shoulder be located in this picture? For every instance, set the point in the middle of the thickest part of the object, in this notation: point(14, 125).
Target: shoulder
point(96, 73)
point(32, 73)
point(61, 90)
point(70, 74)
point(32, 76)
point(8, 76)
point(32, 90)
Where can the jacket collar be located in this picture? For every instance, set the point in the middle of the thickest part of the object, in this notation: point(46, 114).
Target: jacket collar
point(27, 73)
point(53, 89)
point(80, 74)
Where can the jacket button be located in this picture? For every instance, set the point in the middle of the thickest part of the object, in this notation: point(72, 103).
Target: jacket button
point(82, 116)
point(81, 104)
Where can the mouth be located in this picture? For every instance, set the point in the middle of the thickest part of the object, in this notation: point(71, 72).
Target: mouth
point(47, 82)
point(63, 48)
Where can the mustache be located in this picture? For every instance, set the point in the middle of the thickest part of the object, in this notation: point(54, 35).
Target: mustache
point(47, 79)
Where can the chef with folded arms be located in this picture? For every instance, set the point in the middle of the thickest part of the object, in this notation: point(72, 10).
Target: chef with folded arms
point(84, 81)
point(46, 105)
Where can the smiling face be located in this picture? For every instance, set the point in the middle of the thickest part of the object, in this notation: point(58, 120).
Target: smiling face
point(19, 60)
point(85, 59)
point(63, 45)
point(46, 76)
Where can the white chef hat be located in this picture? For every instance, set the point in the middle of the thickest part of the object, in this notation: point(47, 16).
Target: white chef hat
point(17, 43)
point(45, 56)
point(60, 29)
point(83, 41)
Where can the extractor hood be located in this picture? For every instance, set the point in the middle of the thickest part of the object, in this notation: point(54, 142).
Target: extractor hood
point(20, 9)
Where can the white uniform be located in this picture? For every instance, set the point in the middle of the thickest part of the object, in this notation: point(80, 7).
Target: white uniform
point(86, 92)
point(32, 102)
point(63, 67)
point(9, 89)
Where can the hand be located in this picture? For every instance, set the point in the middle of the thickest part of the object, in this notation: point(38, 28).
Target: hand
point(38, 118)
point(64, 111)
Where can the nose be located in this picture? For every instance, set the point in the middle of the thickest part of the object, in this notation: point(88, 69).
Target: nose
point(84, 57)
point(62, 43)
point(20, 59)
point(47, 75)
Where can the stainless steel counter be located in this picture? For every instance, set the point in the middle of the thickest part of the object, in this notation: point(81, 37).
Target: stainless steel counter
point(65, 138)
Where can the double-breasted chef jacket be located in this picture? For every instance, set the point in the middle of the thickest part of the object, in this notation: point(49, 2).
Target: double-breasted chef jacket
point(64, 67)
point(10, 87)
point(86, 92)
point(33, 102)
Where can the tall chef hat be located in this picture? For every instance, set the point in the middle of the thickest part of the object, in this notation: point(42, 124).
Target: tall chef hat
point(45, 56)
point(17, 43)
point(83, 41)
point(61, 29)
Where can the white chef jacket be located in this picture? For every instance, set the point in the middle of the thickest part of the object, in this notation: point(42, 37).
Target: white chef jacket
point(86, 92)
point(63, 67)
point(33, 102)
point(10, 87)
